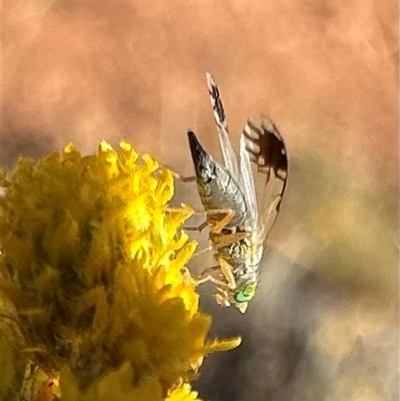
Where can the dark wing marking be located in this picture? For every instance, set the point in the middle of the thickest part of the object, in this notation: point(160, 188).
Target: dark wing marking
point(268, 156)
point(222, 126)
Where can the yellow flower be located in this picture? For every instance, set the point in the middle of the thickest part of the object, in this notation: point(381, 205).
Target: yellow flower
point(92, 259)
point(183, 393)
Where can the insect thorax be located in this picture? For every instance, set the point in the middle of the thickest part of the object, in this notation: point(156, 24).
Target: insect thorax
point(244, 256)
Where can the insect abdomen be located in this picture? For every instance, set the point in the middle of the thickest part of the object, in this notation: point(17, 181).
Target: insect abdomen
point(217, 188)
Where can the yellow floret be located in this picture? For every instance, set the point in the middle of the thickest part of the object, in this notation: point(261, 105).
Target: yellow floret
point(183, 393)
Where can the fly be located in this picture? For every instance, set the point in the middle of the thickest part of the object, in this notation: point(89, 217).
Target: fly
point(241, 199)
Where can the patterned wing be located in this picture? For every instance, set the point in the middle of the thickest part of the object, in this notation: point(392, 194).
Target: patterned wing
point(266, 151)
point(247, 184)
point(222, 126)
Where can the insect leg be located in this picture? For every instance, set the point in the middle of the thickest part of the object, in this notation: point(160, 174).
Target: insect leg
point(199, 228)
point(221, 224)
point(213, 280)
point(179, 176)
point(208, 249)
point(186, 273)
point(192, 213)
point(226, 270)
point(206, 275)
point(222, 297)
point(203, 277)
point(219, 241)
point(217, 226)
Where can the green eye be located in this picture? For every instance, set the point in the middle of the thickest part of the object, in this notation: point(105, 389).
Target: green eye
point(246, 294)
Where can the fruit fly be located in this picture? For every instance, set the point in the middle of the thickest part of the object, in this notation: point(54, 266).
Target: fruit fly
point(241, 200)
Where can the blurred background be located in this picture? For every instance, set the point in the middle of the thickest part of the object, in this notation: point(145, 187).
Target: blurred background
point(324, 324)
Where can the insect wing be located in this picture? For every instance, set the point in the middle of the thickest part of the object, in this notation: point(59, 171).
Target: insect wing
point(222, 126)
point(246, 182)
point(266, 150)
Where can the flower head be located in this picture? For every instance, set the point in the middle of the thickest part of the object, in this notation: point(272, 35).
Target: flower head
point(92, 259)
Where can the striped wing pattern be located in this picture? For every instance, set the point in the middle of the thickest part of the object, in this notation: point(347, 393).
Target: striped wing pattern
point(222, 126)
point(268, 156)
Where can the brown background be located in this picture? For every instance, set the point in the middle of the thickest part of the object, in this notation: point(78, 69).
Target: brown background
point(324, 324)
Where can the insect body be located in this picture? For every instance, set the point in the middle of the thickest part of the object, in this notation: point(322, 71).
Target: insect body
point(241, 200)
